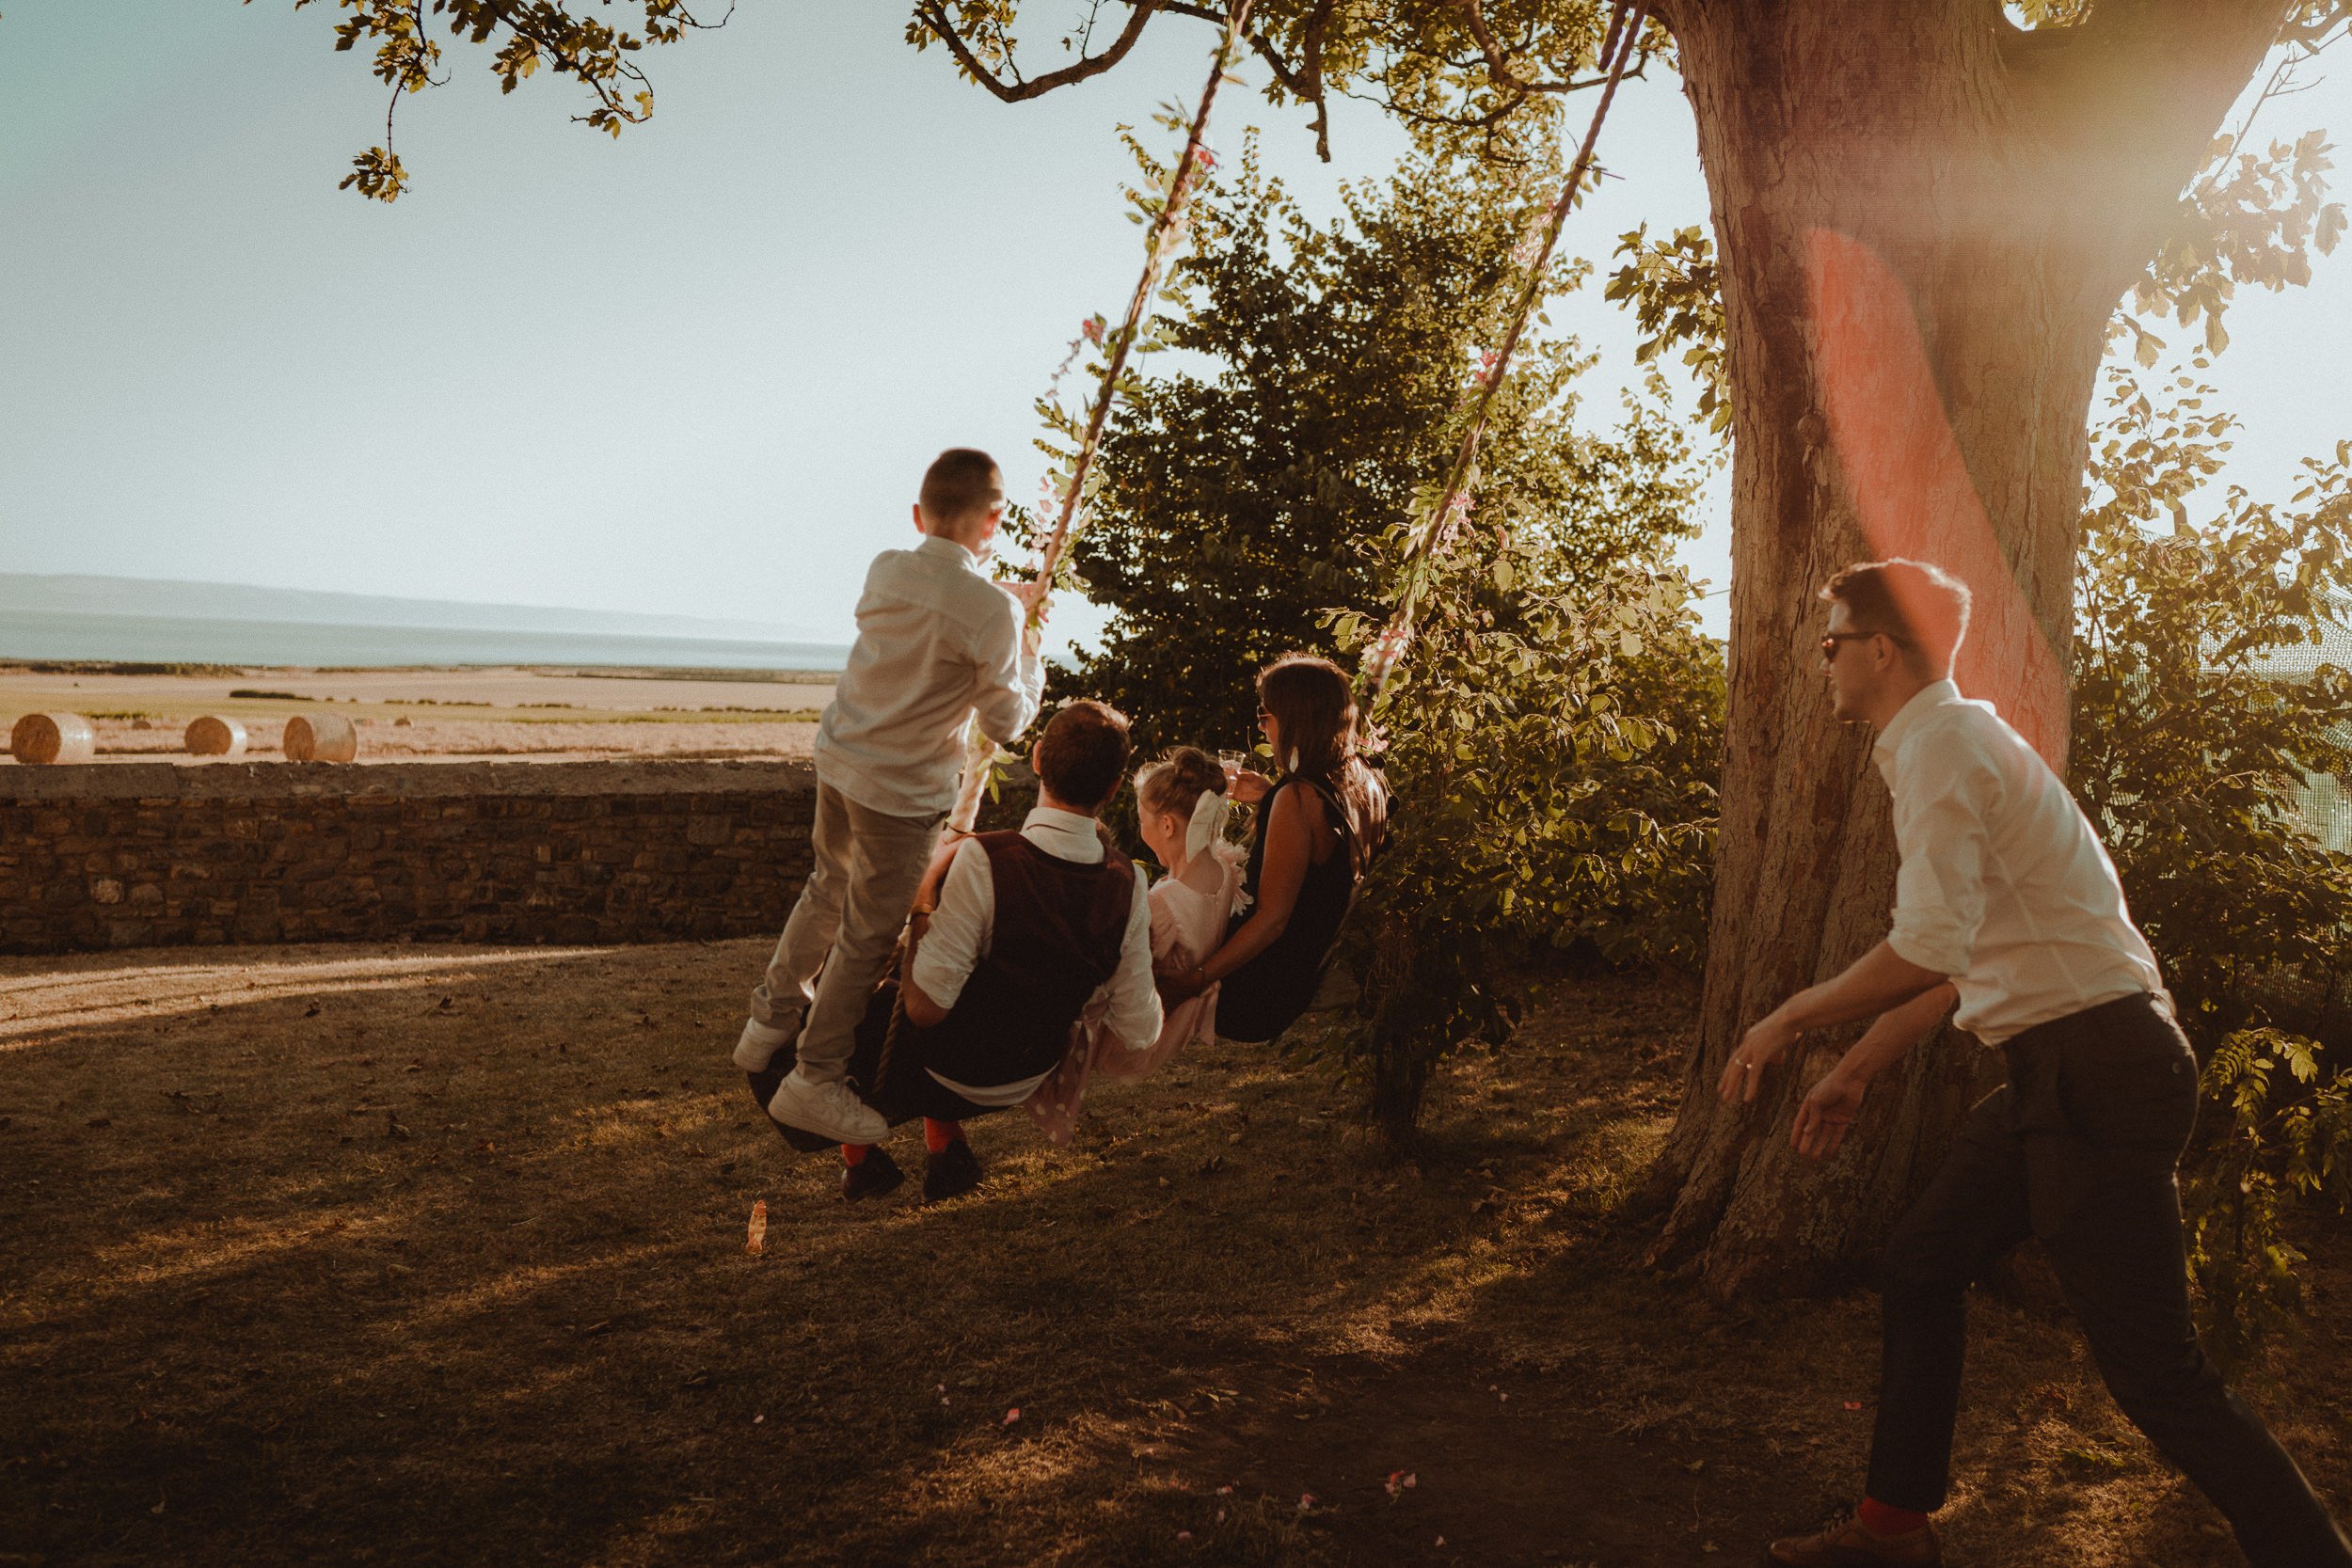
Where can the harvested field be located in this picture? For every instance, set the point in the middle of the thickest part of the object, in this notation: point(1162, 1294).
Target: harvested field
point(408, 715)
point(403, 1255)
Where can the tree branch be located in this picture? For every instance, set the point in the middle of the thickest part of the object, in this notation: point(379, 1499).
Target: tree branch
point(1303, 78)
point(2130, 99)
point(1304, 83)
point(933, 15)
point(1499, 68)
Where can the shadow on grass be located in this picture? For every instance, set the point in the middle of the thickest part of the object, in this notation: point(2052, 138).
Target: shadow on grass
point(458, 1275)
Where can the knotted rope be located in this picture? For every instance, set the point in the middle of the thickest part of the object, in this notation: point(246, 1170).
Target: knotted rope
point(1436, 522)
point(1166, 231)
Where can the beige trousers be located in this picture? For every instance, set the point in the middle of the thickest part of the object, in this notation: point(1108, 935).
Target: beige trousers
point(864, 866)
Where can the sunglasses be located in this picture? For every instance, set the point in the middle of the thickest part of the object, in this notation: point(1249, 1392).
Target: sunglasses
point(1829, 643)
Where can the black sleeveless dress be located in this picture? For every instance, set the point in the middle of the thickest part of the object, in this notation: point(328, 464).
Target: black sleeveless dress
point(1267, 994)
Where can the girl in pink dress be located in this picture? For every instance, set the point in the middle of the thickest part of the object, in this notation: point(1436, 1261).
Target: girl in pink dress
point(1182, 803)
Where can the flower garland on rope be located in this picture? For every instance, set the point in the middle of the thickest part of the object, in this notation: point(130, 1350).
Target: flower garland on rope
point(1442, 515)
point(1064, 490)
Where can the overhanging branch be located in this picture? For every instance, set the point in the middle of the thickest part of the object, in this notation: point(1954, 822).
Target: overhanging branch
point(1499, 68)
point(933, 15)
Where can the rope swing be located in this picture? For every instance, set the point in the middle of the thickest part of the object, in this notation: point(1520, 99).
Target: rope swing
point(1435, 522)
point(1166, 232)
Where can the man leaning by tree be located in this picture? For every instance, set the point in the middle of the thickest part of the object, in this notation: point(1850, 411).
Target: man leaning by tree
point(2007, 900)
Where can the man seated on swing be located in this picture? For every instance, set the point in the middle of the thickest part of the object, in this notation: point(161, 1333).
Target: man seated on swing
point(1013, 935)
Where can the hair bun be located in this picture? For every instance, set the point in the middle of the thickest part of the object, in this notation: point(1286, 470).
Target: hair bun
point(1179, 779)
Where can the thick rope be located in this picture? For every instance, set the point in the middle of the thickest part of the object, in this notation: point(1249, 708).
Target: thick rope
point(979, 753)
point(1438, 522)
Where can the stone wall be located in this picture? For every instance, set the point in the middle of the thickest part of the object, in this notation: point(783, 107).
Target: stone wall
point(149, 854)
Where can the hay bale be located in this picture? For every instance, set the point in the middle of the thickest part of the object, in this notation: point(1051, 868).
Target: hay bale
point(215, 737)
point(52, 737)
point(320, 737)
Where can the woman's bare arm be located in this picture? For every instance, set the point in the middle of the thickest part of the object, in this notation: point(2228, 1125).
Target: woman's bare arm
point(1290, 840)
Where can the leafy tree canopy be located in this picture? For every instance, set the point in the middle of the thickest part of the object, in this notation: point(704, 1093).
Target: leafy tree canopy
point(1552, 736)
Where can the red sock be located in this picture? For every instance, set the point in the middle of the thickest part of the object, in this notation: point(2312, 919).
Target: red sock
point(938, 1134)
point(1878, 1519)
point(853, 1155)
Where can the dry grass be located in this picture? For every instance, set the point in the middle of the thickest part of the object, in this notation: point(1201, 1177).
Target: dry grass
point(416, 1255)
point(412, 715)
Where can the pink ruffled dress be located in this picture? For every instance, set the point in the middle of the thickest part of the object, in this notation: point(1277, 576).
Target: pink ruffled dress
point(1190, 915)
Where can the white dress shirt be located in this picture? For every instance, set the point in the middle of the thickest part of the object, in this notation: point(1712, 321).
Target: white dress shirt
point(2003, 886)
point(936, 641)
point(961, 929)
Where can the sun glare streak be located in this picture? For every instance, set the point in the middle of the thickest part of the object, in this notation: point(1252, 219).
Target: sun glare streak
point(1910, 487)
point(161, 970)
point(156, 1259)
point(449, 1306)
point(111, 997)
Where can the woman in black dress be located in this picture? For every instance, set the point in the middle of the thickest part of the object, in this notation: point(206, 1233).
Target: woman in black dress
point(1319, 821)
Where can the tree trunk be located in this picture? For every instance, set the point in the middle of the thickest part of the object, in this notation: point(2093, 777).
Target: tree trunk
point(1924, 218)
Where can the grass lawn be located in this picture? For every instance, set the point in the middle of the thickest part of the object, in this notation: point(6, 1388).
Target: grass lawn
point(410, 1255)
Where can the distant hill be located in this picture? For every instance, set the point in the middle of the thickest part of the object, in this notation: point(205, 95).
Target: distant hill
point(25, 593)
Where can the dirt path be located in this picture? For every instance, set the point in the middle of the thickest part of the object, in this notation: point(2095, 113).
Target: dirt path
point(437, 1255)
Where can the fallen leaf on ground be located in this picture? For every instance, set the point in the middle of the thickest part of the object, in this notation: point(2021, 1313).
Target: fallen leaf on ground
point(1011, 1415)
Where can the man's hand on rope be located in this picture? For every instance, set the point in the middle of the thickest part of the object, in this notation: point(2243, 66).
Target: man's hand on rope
point(1033, 598)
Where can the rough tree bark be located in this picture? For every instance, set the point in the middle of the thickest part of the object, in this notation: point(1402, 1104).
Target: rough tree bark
point(1924, 218)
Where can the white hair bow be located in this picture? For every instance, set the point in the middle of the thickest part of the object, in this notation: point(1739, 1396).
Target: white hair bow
point(1208, 823)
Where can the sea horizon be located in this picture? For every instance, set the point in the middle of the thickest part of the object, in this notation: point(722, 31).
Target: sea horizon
point(45, 636)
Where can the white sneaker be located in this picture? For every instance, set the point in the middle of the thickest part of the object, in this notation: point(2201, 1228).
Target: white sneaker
point(758, 1044)
point(829, 1110)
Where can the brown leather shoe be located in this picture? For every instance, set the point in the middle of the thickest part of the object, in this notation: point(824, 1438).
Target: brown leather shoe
point(1846, 1542)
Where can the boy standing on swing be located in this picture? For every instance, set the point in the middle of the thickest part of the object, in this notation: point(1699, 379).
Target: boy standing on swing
point(937, 644)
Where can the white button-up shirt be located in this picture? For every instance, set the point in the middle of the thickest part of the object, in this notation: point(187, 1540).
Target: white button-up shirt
point(966, 921)
point(2003, 886)
point(936, 641)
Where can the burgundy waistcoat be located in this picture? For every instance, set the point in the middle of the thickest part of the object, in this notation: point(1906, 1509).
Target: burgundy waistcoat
point(1055, 938)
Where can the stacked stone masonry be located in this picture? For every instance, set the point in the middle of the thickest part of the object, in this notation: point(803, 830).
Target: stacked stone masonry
point(139, 855)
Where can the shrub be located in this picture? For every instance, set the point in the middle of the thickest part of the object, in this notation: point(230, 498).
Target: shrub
point(1551, 737)
point(2191, 739)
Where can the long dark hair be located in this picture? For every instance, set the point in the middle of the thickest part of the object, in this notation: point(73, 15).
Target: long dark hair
point(1313, 707)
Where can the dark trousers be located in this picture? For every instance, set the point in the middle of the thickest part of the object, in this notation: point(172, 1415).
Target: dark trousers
point(2078, 1150)
point(900, 1093)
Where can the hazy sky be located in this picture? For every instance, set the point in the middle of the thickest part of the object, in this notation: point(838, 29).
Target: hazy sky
point(696, 370)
